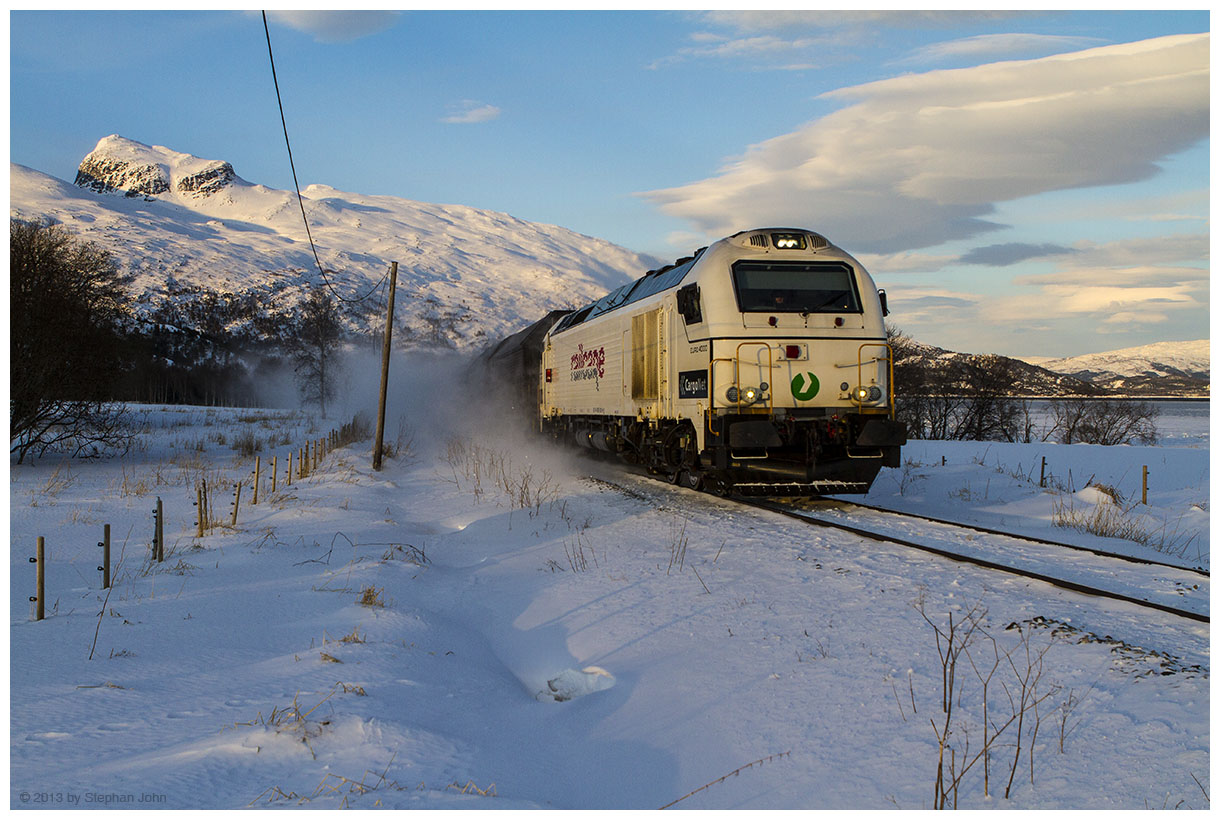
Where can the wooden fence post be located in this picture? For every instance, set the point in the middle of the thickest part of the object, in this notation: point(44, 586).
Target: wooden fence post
point(258, 472)
point(1144, 492)
point(236, 502)
point(105, 567)
point(198, 511)
point(205, 520)
point(275, 464)
point(159, 534)
point(1042, 479)
point(40, 580)
point(288, 483)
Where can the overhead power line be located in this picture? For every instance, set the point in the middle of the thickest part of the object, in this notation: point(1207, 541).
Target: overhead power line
point(297, 185)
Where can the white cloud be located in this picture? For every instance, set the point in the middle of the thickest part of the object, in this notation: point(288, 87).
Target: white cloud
point(709, 45)
point(1142, 279)
point(335, 26)
point(1133, 253)
point(920, 159)
point(471, 111)
point(905, 262)
point(787, 20)
point(985, 46)
point(742, 46)
point(1124, 319)
point(1141, 289)
point(757, 38)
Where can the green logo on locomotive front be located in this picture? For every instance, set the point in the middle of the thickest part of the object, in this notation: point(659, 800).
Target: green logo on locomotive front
point(805, 386)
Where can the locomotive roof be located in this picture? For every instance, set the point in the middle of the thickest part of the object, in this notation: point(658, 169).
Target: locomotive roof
point(671, 275)
point(652, 282)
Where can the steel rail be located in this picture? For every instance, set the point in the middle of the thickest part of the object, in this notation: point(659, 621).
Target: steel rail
point(1035, 539)
point(982, 562)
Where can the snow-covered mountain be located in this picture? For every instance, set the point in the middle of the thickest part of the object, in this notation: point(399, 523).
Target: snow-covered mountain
point(915, 360)
point(1191, 359)
point(211, 251)
point(1163, 367)
point(1171, 369)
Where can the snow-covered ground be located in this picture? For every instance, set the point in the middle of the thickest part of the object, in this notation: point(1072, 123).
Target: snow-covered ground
point(543, 631)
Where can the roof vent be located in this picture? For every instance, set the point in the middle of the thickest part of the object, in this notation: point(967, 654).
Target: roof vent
point(817, 242)
point(758, 240)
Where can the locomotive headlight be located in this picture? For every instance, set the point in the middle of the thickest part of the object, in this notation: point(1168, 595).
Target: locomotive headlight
point(744, 395)
point(788, 241)
point(868, 395)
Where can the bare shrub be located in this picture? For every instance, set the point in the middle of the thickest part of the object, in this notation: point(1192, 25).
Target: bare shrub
point(246, 443)
point(481, 468)
point(61, 479)
point(677, 546)
point(406, 552)
point(1107, 519)
point(1112, 519)
point(371, 596)
point(401, 444)
point(353, 637)
point(580, 555)
point(132, 483)
point(292, 720)
point(1005, 698)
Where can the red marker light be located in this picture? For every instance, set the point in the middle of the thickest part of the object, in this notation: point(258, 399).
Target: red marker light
point(772, 321)
point(792, 351)
point(838, 321)
point(548, 375)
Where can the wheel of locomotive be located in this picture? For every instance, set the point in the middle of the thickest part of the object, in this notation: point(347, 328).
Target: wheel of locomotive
point(679, 456)
point(690, 478)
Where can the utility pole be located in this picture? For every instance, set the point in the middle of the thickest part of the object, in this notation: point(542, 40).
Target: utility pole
point(385, 367)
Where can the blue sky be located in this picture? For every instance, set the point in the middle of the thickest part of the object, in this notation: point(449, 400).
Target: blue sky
point(1010, 200)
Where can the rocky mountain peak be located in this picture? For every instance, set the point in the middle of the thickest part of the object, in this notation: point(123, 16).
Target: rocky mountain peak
point(120, 165)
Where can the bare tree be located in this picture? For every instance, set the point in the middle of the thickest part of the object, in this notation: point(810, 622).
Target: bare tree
point(1093, 421)
point(919, 392)
point(67, 302)
point(319, 333)
point(954, 396)
point(986, 411)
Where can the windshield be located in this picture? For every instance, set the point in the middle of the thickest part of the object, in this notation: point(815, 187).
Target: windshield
point(795, 287)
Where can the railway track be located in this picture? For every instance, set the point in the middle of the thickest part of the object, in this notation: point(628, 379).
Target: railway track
point(1184, 592)
point(842, 502)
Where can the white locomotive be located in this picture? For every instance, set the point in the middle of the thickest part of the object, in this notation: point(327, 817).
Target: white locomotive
point(759, 365)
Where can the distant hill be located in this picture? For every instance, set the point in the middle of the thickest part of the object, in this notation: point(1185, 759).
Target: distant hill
point(1027, 379)
point(1174, 369)
point(1163, 368)
point(212, 252)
